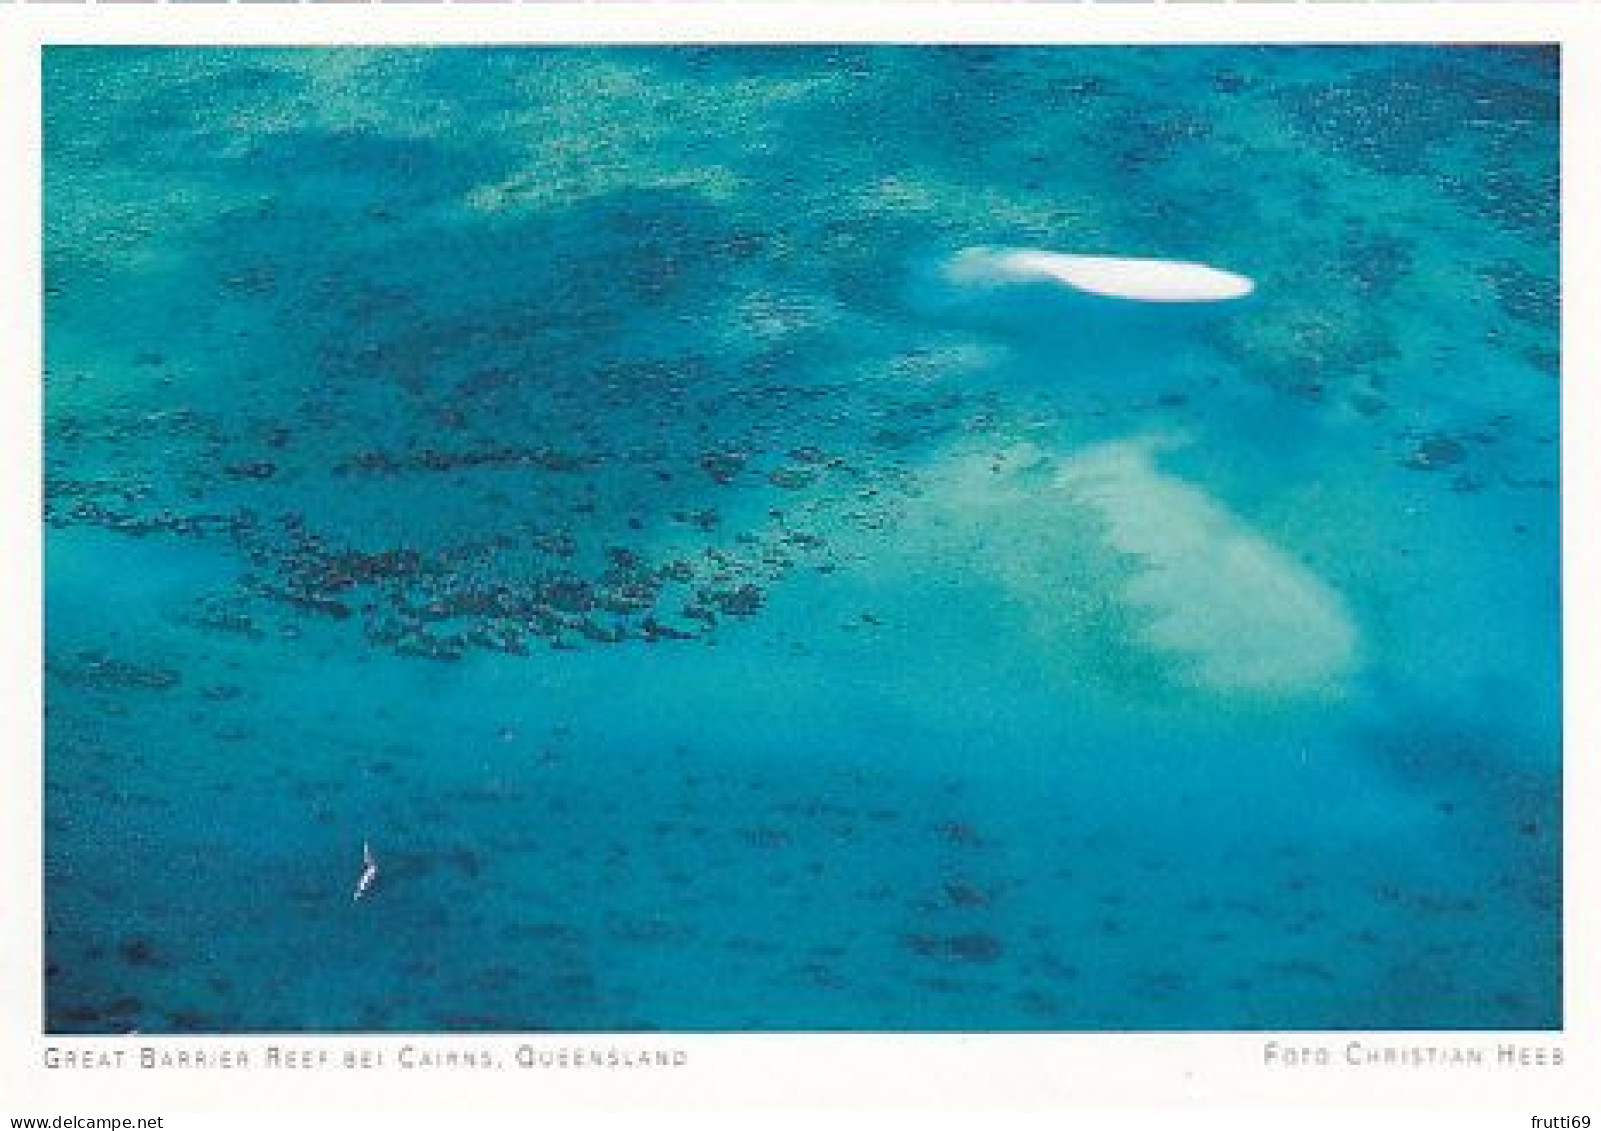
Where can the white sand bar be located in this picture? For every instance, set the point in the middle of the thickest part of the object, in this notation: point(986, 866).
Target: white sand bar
point(1140, 280)
point(1246, 613)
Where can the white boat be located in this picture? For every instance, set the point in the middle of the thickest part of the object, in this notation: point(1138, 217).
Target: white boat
point(369, 872)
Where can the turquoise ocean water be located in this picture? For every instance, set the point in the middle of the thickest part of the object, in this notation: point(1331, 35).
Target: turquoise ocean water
point(577, 474)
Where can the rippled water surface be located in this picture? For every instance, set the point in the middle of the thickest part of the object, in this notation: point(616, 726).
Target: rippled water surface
point(581, 476)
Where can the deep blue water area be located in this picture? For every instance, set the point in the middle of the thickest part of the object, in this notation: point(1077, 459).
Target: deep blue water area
point(580, 476)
